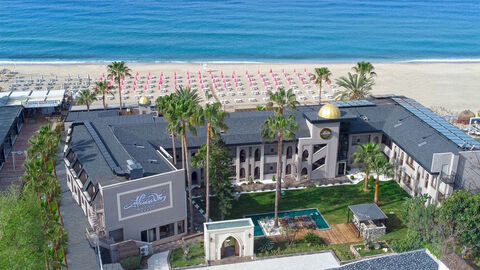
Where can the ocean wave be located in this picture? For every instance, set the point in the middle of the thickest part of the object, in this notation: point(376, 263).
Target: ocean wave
point(445, 60)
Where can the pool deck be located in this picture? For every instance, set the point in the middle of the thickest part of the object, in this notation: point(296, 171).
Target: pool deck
point(340, 234)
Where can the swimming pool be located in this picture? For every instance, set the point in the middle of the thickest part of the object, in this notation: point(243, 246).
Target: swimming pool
point(314, 213)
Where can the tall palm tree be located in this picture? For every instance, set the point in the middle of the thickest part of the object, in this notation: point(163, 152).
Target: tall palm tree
point(320, 74)
point(118, 71)
point(214, 116)
point(86, 97)
point(366, 154)
point(103, 88)
point(381, 166)
point(164, 107)
point(282, 99)
point(365, 68)
point(187, 110)
point(355, 87)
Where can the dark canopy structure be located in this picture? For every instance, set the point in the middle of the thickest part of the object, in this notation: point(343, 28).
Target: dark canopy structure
point(367, 211)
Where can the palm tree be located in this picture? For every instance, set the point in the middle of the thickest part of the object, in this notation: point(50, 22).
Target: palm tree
point(281, 99)
point(103, 88)
point(215, 118)
point(363, 68)
point(118, 71)
point(366, 154)
point(381, 166)
point(164, 107)
point(356, 87)
point(86, 97)
point(187, 110)
point(320, 74)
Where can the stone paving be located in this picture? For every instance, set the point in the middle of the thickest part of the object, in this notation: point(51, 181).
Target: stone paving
point(316, 261)
point(79, 253)
point(158, 261)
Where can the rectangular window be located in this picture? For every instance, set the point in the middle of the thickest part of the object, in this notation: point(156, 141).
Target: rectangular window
point(166, 231)
point(426, 180)
point(181, 226)
point(148, 235)
point(117, 235)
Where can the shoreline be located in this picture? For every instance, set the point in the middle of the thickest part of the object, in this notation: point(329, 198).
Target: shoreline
point(228, 62)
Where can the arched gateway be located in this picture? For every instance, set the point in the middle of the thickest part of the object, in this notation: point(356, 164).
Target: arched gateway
point(228, 238)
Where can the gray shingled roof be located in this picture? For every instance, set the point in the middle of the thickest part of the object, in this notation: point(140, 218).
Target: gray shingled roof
point(412, 260)
point(7, 118)
point(367, 211)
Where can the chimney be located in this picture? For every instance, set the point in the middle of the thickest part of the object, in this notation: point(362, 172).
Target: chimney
point(135, 169)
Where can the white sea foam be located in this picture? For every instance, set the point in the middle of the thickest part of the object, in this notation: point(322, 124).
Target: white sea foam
point(445, 60)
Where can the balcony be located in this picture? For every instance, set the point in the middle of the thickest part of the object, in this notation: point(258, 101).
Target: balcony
point(448, 178)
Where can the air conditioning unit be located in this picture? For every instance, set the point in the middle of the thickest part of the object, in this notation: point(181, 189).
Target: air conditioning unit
point(144, 250)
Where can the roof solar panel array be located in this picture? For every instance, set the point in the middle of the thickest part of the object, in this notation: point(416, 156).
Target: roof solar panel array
point(441, 125)
point(352, 103)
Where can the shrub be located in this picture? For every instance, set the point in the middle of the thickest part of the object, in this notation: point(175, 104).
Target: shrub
point(411, 242)
point(273, 178)
point(313, 239)
point(258, 182)
point(244, 184)
point(264, 245)
point(250, 181)
point(352, 177)
point(131, 263)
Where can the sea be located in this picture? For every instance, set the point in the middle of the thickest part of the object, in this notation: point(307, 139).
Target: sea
point(239, 30)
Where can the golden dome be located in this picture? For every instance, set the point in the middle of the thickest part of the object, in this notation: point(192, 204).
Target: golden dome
point(329, 111)
point(144, 101)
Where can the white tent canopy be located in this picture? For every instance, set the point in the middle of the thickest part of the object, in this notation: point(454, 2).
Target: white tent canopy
point(32, 99)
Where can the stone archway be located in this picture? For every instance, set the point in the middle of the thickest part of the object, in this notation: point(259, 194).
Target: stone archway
point(228, 238)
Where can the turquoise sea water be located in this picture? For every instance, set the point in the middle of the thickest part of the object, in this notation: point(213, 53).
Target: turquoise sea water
point(239, 30)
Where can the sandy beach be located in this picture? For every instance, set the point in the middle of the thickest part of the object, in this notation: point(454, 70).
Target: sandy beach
point(449, 85)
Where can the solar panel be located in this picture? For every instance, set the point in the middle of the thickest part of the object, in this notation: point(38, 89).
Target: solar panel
point(438, 123)
point(352, 103)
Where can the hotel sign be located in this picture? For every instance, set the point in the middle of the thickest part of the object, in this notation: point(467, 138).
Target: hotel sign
point(144, 201)
point(326, 133)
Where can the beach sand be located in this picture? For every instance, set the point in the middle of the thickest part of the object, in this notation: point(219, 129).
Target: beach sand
point(453, 86)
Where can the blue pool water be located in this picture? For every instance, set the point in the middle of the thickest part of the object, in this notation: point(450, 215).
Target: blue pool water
point(316, 216)
point(238, 30)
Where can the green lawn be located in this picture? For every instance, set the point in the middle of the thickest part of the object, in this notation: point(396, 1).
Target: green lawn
point(372, 251)
point(332, 202)
point(196, 256)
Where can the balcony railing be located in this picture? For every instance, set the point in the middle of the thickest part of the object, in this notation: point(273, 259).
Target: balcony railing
point(448, 178)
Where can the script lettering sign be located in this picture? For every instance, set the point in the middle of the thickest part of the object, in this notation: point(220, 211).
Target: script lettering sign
point(144, 201)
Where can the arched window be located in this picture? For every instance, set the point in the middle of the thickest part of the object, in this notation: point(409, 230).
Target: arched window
point(242, 172)
point(304, 172)
point(256, 173)
point(288, 169)
point(305, 155)
point(289, 152)
point(242, 156)
point(257, 154)
point(194, 178)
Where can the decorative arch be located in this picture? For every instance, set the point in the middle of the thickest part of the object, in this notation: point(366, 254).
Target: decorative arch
point(242, 172)
point(241, 252)
point(242, 155)
point(305, 155)
point(289, 152)
point(257, 154)
point(256, 173)
point(288, 169)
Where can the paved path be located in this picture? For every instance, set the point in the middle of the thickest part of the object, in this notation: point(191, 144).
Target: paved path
point(158, 261)
point(79, 253)
point(305, 262)
point(10, 175)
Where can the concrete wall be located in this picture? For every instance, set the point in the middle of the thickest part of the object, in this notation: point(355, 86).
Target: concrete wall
point(468, 171)
point(149, 215)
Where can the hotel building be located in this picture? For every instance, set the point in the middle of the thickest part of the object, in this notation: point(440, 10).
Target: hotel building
point(115, 162)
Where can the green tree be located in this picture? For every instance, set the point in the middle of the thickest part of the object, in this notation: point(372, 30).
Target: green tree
point(118, 71)
point(22, 244)
point(86, 97)
point(214, 117)
point(381, 166)
point(365, 68)
point(280, 127)
point(460, 215)
point(320, 74)
point(355, 87)
point(220, 172)
point(188, 114)
point(103, 88)
point(366, 154)
point(164, 107)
